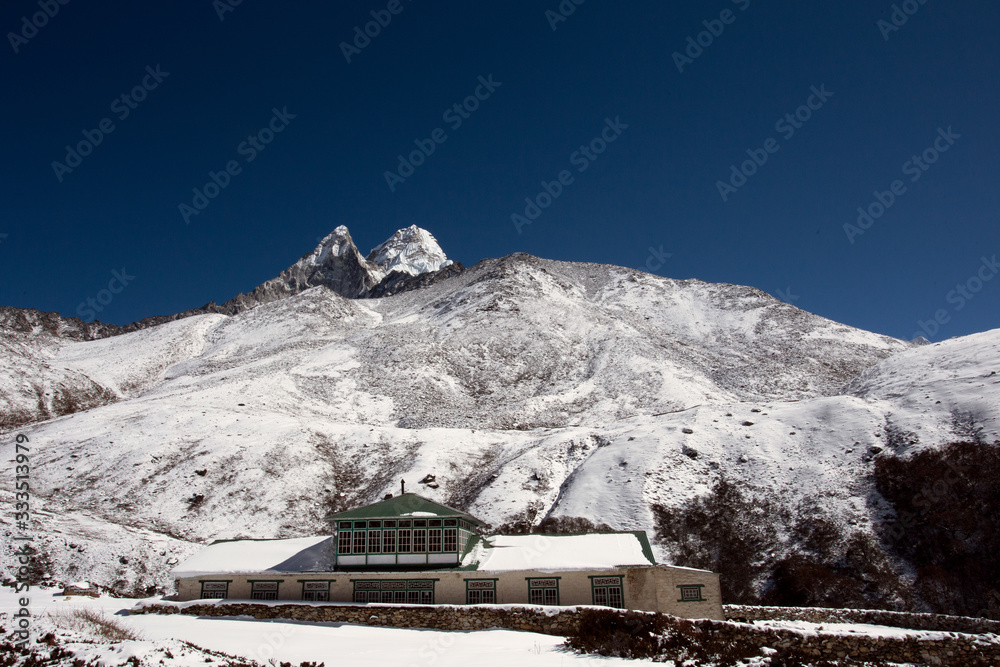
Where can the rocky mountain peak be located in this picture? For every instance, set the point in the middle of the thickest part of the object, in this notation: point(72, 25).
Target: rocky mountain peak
point(412, 251)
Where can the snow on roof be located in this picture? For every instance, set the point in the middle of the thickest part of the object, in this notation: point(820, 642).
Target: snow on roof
point(499, 553)
point(302, 554)
point(503, 553)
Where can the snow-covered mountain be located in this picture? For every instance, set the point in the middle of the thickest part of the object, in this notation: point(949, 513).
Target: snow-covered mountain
point(412, 251)
point(529, 388)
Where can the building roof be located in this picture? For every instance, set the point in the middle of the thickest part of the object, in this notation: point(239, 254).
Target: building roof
point(304, 554)
point(498, 553)
point(589, 551)
point(407, 505)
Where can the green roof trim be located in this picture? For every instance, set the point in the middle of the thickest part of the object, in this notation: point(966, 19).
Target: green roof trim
point(404, 506)
point(647, 550)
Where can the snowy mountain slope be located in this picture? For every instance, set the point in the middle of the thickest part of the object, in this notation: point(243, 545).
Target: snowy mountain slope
point(528, 387)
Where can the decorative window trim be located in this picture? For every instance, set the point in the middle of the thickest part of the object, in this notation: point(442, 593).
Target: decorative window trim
point(532, 586)
point(686, 588)
point(326, 590)
point(417, 591)
point(485, 586)
point(225, 592)
point(264, 593)
point(607, 581)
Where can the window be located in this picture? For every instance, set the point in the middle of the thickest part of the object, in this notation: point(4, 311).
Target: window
point(389, 541)
point(480, 591)
point(404, 524)
point(419, 541)
point(264, 590)
point(450, 539)
point(543, 591)
point(420, 523)
point(316, 591)
point(374, 541)
point(345, 525)
point(434, 523)
point(395, 591)
point(451, 522)
point(404, 541)
point(344, 542)
point(316, 596)
point(608, 591)
point(691, 593)
point(388, 524)
point(434, 539)
point(359, 541)
point(374, 524)
point(214, 590)
point(360, 524)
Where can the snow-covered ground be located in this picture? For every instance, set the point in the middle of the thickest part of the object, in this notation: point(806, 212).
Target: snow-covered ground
point(178, 640)
point(168, 638)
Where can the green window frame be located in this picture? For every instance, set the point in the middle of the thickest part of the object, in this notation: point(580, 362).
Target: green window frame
point(393, 591)
point(481, 591)
point(217, 589)
point(450, 540)
point(543, 590)
point(607, 591)
point(360, 541)
point(344, 542)
point(691, 593)
point(388, 541)
point(374, 541)
point(264, 589)
point(434, 540)
point(316, 590)
point(420, 541)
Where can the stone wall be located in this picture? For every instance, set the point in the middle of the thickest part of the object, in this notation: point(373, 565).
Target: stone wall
point(956, 650)
point(967, 651)
point(562, 622)
point(895, 619)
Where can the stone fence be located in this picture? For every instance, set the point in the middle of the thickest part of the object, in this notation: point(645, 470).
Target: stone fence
point(554, 621)
point(894, 619)
point(942, 650)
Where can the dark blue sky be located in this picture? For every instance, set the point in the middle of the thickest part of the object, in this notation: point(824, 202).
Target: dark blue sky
point(656, 184)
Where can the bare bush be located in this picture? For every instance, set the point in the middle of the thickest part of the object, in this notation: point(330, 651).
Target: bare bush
point(89, 621)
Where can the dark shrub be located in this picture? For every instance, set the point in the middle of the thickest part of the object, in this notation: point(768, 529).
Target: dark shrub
point(947, 524)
